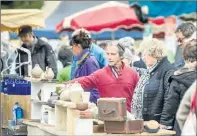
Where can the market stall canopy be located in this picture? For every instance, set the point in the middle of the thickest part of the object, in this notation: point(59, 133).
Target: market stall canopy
point(12, 19)
point(168, 8)
point(109, 16)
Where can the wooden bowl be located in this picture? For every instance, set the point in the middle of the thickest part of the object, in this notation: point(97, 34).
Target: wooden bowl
point(82, 106)
point(152, 126)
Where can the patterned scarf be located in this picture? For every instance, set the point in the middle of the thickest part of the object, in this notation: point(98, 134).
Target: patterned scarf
point(137, 101)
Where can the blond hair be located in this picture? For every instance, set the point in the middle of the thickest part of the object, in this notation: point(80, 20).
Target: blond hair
point(153, 47)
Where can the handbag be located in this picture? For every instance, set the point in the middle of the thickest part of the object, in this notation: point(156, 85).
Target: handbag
point(189, 127)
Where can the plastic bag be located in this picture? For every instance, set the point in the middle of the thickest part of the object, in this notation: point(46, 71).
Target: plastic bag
point(189, 128)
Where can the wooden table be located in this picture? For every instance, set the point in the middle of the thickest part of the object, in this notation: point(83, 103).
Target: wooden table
point(37, 129)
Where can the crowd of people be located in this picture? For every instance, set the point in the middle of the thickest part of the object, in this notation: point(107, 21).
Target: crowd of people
point(154, 88)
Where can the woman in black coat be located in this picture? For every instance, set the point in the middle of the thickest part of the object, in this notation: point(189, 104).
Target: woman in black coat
point(179, 84)
point(150, 94)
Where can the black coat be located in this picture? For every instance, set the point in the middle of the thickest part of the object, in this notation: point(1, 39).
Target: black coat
point(42, 54)
point(155, 93)
point(178, 86)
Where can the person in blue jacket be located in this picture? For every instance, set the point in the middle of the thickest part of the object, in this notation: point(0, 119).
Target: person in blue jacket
point(86, 63)
point(95, 50)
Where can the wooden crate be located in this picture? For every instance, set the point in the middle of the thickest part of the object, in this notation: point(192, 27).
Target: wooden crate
point(8, 104)
point(4, 108)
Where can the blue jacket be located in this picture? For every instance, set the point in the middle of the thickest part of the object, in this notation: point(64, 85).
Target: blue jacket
point(98, 52)
point(87, 64)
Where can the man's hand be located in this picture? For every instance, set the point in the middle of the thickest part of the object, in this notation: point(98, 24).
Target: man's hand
point(163, 126)
point(86, 114)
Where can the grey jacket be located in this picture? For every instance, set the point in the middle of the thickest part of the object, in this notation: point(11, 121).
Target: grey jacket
point(41, 54)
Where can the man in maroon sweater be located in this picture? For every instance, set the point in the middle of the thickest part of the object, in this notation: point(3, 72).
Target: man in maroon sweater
point(116, 79)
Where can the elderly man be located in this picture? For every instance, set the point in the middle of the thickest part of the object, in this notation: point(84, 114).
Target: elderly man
point(115, 80)
point(185, 33)
point(95, 50)
point(130, 55)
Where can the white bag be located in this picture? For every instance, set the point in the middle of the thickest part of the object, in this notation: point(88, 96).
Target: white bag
point(189, 128)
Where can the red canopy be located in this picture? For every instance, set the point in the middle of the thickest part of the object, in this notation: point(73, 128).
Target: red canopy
point(108, 16)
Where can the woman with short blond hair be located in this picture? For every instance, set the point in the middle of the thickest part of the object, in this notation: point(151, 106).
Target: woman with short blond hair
point(151, 91)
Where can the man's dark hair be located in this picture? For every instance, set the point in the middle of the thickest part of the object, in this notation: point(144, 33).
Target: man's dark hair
point(103, 45)
point(187, 29)
point(83, 39)
point(24, 30)
point(190, 52)
point(65, 55)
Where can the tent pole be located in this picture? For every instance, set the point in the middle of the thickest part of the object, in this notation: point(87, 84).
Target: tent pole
point(113, 35)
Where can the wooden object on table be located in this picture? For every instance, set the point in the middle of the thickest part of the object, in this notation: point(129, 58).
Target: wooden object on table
point(67, 119)
point(98, 126)
point(51, 115)
point(40, 93)
point(112, 109)
point(45, 86)
point(4, 106)
point(124, 127)
point(60, 117)
point(36, 109)
point(36, 128)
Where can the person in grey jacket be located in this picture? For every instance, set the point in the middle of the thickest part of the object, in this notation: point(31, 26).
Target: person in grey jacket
point(41, 52)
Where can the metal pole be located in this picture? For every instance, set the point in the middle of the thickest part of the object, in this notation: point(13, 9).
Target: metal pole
point(112, 35)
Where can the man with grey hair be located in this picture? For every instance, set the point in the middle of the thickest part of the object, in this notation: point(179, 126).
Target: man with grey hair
point(126, 42)
point(184, 33)
point(130, 55)
point(115, 80)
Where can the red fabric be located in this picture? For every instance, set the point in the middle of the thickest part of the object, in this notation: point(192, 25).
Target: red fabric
point(109, 86)
point(105, 18)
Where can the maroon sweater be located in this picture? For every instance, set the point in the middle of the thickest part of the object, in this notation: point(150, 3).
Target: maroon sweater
point(110, 86)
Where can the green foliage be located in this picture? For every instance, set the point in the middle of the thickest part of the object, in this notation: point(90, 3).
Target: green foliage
point(24, 5)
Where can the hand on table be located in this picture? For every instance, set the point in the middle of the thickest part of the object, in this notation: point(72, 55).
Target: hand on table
point(86, 114)
point(163, 126)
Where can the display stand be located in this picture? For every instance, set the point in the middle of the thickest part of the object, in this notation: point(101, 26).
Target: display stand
point(40, 93)
point(67, 119)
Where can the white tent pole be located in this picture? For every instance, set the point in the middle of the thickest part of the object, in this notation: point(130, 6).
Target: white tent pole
point(112, 35)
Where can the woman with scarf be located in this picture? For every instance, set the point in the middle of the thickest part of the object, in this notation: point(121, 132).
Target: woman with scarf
point(151, 91)
point(86, 62)
point(180, 81)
